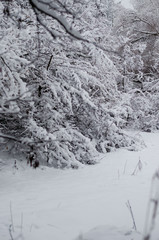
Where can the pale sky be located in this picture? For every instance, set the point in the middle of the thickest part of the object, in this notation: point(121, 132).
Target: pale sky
point(126, 3)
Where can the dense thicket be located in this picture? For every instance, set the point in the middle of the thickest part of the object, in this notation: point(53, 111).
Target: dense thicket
point(138, 63)
point(69, 83)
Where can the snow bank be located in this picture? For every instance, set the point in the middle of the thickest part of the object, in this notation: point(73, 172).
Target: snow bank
point(60, 204)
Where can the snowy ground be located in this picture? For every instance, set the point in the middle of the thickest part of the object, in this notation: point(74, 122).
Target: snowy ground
point(84, 204)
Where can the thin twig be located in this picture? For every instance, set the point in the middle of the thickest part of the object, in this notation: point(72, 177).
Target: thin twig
point(125, 167)
point(132, 215)
point(49, 62)
point(10, 232)
point(11, 215)
point(152, 208)
point(138, 167)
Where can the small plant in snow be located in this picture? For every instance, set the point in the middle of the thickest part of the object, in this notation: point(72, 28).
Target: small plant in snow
point(132, 215)
point(12, 229)
point(138, 167)
point(152, 209)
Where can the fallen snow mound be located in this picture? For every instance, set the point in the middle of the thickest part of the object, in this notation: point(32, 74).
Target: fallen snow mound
point(109, 233)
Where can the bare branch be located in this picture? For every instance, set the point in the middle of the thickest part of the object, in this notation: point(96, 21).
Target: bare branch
point(9, 137)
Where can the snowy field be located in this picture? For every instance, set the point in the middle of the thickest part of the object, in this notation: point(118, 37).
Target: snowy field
point(84, 204)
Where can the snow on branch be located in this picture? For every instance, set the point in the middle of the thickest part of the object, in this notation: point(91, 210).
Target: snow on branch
point(54, 10)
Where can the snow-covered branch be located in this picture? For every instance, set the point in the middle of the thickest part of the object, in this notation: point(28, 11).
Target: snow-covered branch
point(52, 9)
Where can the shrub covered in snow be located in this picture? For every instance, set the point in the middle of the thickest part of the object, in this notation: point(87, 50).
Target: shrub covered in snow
point(58, 97)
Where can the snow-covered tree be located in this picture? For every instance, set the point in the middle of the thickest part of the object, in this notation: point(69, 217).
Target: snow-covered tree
point(137, 61)
point(62, 86)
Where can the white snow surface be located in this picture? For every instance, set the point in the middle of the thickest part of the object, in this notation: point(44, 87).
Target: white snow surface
point(84, 204)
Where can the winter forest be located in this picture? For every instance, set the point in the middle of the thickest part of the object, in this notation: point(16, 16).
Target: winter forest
point(79, 83)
